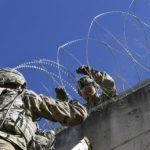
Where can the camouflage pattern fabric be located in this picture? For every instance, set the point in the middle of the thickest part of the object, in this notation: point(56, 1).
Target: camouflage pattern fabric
point(9, 75)
point(106, 83)
point(43, 141)
point(104, 80)
point(20, 127)
point(5, 145)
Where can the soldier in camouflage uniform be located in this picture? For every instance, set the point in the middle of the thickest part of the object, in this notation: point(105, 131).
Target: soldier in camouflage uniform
point(89, 84)
point(20, 108)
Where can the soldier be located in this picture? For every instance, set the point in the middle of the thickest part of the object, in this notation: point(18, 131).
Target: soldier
point(20, 108)
point(89, 84)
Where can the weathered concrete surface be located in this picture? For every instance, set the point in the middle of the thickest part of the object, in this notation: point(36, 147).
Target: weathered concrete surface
point(120, 124)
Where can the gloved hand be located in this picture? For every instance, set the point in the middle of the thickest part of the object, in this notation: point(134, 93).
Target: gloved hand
point(86, 70)
point(61, 93)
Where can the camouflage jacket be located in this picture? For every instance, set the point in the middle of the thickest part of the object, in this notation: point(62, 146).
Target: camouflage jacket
point(20, 110)
point(107, 84)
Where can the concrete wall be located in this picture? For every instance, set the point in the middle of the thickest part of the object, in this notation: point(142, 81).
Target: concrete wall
point(120, 124)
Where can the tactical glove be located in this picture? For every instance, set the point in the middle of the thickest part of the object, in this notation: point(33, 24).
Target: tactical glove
point(86, 70)
point(61, 93)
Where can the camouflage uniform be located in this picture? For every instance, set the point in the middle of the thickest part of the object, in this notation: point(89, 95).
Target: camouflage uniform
point(98, 79)
point(20, 108)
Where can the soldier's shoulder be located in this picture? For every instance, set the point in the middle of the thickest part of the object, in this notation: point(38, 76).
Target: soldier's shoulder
point(30, 93)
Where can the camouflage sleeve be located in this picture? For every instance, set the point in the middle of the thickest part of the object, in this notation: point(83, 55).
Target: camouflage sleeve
point(105, 81)
point(64, 112)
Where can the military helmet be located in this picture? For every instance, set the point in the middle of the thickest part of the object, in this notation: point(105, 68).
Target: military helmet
point(83, 81)
point(86, 80)
point(9, 75)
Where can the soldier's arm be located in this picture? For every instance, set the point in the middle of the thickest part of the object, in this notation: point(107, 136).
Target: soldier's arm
point(64, 112)
point(103, 79)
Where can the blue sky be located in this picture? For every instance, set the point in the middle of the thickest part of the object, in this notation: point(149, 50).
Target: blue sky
point(34, 29)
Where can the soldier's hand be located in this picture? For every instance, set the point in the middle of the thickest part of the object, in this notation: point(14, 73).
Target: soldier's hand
point(84, 70)
point(61, 93)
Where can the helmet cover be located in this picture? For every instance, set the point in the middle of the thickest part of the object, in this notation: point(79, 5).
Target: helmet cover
point(83, 81)
point(9, 75)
